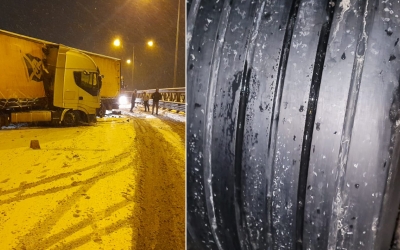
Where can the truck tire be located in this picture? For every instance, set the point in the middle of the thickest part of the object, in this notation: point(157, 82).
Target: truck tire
point(293, 114)
point(70, 118)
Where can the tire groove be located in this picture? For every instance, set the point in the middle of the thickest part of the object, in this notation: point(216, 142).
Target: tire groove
point(207, 170)
point(310, 120)
point(348, 124)
point(244, 96)
point(277, 99)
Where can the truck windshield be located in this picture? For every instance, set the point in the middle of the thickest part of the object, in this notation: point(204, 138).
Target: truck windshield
point(87, 81)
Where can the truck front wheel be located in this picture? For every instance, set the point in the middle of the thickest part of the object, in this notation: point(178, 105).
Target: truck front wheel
point(70, 119)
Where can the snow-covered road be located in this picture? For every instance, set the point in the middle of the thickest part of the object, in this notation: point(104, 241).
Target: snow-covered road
point(116, 185)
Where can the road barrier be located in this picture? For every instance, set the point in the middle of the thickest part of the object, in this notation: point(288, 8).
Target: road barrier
point(172, 98)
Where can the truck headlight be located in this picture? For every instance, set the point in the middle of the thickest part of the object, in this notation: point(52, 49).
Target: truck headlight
point(123, 100)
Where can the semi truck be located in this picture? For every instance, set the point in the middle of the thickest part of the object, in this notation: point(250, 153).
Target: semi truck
point(46, 82)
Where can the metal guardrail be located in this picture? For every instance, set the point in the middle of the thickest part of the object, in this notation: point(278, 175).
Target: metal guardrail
point(172, 98)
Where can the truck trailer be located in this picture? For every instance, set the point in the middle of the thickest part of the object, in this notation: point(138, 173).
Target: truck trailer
point(46, 82)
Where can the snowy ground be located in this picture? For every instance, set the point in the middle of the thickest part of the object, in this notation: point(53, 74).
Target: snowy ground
point(116, 185)
point(139, 111)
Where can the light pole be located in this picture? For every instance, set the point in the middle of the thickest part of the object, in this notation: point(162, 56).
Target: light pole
point(133, 63)
point(176, 43)
point(129, 61)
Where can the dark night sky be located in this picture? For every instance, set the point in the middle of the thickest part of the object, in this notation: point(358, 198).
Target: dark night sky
point(92, 25)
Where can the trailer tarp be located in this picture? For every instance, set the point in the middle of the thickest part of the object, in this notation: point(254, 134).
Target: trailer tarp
point(21, 62)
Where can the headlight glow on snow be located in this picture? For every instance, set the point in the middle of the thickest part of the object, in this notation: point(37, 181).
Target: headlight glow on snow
point(123, 100)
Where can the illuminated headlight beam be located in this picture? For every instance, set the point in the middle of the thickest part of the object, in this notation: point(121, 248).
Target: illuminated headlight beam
point(123, 100)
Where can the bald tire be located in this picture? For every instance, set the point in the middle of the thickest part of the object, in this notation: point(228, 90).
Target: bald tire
point(292, 132)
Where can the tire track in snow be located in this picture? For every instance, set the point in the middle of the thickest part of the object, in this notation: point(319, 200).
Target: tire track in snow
point(33, 239)
point(160, 191)
point(50, 179)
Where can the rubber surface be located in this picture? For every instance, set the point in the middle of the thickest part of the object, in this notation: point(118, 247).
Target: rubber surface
point(292, 136)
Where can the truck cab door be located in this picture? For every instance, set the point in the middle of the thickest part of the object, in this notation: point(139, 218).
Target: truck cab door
point(89, 88)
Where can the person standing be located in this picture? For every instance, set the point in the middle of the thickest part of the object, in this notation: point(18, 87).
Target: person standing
point(134, 94)
point(156, 96)
point(146, 102)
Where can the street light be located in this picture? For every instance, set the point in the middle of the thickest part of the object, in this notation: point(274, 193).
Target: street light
point(117, 42)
